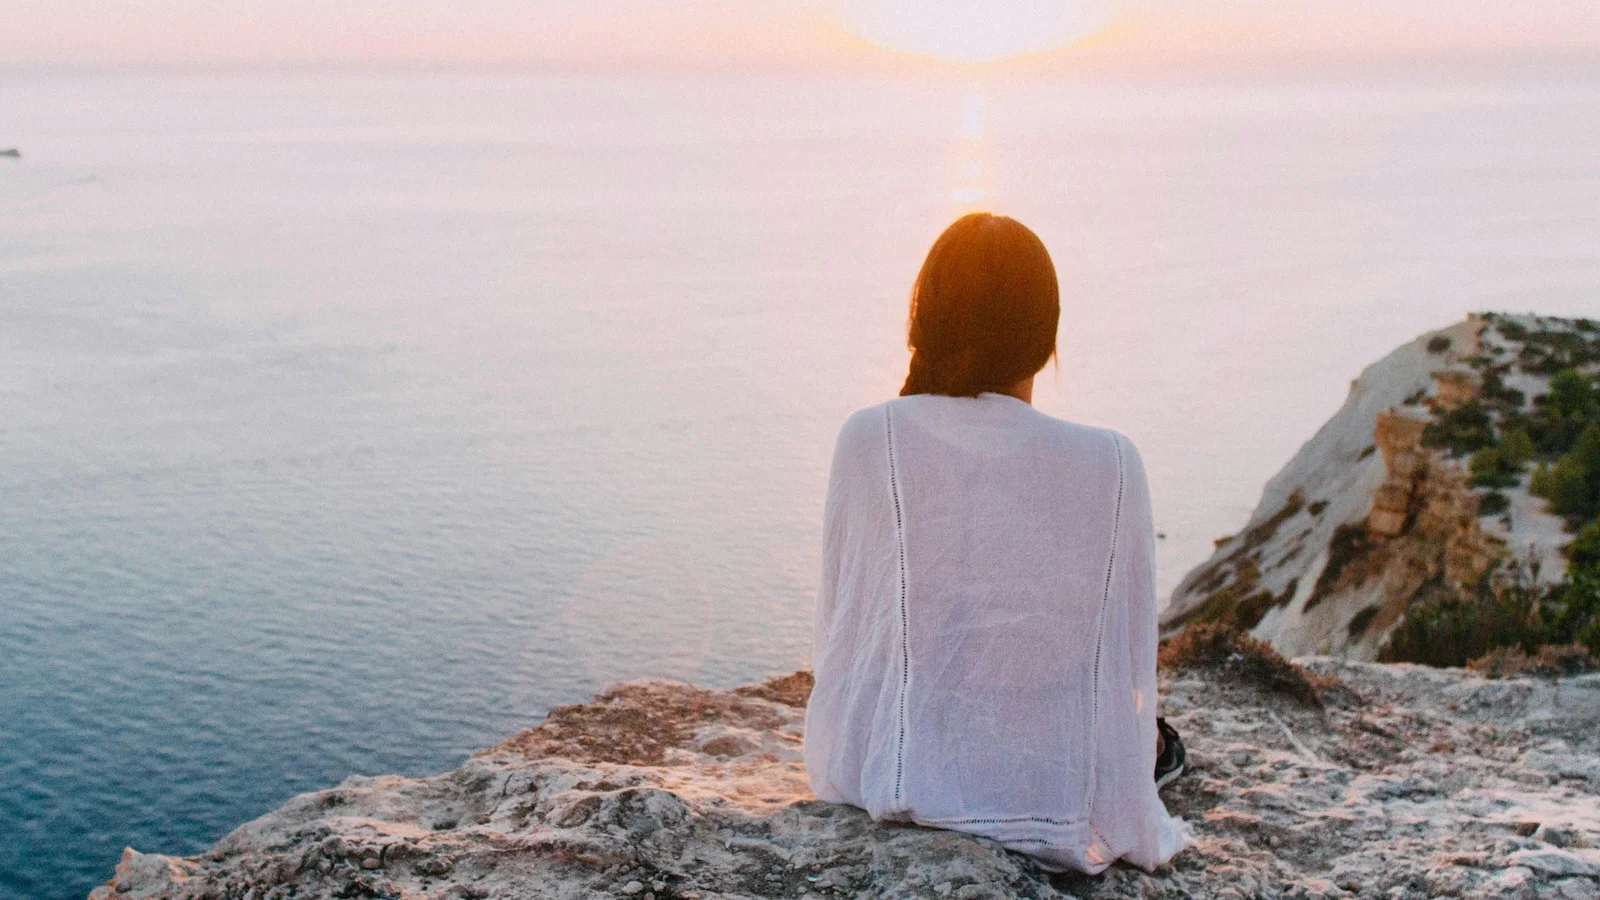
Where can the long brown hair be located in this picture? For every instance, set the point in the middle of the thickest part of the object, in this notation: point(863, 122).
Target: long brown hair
point(984, 309)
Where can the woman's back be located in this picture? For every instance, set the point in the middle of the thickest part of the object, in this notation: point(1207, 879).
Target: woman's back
point(985, 647)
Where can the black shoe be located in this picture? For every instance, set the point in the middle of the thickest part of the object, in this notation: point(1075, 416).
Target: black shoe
point(1169, 764)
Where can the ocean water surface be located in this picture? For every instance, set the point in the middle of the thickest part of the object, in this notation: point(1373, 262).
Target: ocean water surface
point(348, 422)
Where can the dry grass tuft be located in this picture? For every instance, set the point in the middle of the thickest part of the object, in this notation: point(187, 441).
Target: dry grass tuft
point(792, 690)
point(1552, 661)
point(1210, 645)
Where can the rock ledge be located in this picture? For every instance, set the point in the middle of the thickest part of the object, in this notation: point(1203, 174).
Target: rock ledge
point(1413, 782)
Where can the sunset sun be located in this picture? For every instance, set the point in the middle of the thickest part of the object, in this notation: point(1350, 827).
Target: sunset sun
point(972, 30)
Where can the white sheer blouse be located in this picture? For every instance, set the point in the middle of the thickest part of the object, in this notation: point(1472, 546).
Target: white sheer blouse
point(986, 632)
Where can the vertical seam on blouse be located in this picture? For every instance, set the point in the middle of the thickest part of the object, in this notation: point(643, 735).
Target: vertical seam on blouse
point(1100, 635)
point(905, 631)
point(1102, 839)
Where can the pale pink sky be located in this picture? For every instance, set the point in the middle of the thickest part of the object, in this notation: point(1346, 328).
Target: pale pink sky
point(751, 33)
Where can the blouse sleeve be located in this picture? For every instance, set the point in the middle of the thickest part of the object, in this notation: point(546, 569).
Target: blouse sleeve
point(819, 729)
point(832, 537)
point(1138, 541)
point(1128, 812)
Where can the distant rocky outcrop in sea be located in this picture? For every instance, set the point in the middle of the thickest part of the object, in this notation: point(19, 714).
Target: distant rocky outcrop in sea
point(1413, 515)
point(1341, 779)
point(11, 153)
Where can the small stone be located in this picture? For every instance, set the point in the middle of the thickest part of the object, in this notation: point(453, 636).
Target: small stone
point(1557, 836)
point(370, 862)
point(433, 866)
point(1512, 882)
point(1526, 829)
point(1555, 863)
point(1575, 889)
point(633, 887)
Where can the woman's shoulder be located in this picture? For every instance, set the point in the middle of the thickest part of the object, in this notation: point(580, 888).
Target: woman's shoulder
point(870, 425)
point(1109, 440)
point(865, 423)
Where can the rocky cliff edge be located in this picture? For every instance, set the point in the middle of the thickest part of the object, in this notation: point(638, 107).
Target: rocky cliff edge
point(1369, 780)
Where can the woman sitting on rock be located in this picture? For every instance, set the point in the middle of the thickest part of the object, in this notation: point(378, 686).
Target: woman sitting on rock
point(985, 648)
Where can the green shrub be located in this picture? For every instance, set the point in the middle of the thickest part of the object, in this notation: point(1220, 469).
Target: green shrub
point(1501, 465)
point(1511, 331)
point(1493, 390)
point(1562, 415)
point(1438, 344)
point(1572, 485)
point(1490, 469)
point(1449, 627)
point(1493, 504)
point(1461, 430)
point(1583, 554)
point(1534, 360)
point(1590, 636)
point(1542, 483)
point(1570, 611)
point(1516, 448)
point(1549, 352)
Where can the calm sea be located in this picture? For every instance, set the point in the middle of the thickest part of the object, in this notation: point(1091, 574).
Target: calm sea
point(349, 422)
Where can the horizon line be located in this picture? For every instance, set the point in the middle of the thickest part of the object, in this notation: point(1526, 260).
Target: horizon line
point(896, 66)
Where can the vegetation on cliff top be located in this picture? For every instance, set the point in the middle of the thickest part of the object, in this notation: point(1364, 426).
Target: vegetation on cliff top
point(1508, 618)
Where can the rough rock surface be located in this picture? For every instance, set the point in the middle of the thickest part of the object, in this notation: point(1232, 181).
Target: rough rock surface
point(1402, 782)
point(1364, 517)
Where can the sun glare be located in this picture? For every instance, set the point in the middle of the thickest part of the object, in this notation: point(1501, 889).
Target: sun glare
point(973, 30)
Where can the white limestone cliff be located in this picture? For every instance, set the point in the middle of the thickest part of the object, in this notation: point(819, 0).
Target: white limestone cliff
point(1347, 535)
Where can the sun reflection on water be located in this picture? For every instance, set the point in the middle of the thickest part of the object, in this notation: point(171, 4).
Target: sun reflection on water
point(969, 190)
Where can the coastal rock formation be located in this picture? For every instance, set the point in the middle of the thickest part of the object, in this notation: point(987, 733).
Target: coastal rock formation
point(1378, 510)
point(1379, 781)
